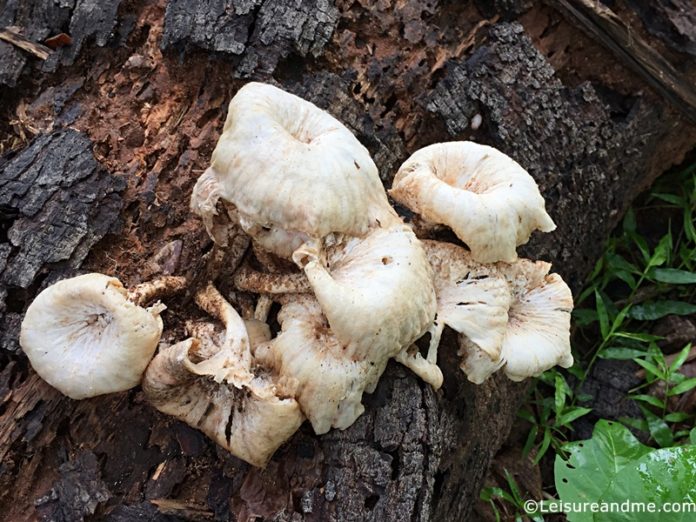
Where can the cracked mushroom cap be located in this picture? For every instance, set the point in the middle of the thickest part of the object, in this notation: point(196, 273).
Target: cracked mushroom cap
point(85, 338)
point(488, 200)
point(537, 336)
point(209, 381)
point(377, 291)
point(330, 384)
point(291, 170)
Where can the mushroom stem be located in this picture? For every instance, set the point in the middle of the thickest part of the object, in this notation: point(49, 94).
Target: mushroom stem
point(422, 367)
point(150, 291)
point(250, 280)
point(236, 367)
point(263, 308)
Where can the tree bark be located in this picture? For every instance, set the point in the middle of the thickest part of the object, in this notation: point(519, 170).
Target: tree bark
point(104, 140)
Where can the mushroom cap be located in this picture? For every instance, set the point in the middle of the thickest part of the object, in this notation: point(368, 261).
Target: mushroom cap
point(212, 382)
point(330, 383)
point(250, 423)
point(286, 164)
point(537, 335)
point(473, 299)
point(488, 200)
point(85, 338)
point(377, 291)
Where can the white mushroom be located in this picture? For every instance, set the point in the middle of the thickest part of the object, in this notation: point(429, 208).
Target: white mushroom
point(330, 382)
point(376, 292)
point(473, 299)
point(211, 382)
point(374, 298)
point(485, 197)
point(538, 333)
point(85, 337)
point(291, 171)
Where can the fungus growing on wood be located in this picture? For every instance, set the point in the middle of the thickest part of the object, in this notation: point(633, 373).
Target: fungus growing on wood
point(488, 200)
point(88, 336)
point(514, 317)
point(290, 171)
point(373, 296)
point(211, 382)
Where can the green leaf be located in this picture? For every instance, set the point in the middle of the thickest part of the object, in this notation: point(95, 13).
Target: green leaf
point(559, 394)
point(658, 428)
point(621, 354)
point(572, 415)
point(662, 476)
point(650, 367)
point(674, 276)
point(670, 198)
point(662, 251)
point(692, 436)
point(594, 465)
point(681, 359)
point(657, 309)
point(584, 316)
point(683, 387)
point(602, 315)
point(650, 399)
point(642, 337)
point(677, 416)
point(545, 443)
point(613, 467)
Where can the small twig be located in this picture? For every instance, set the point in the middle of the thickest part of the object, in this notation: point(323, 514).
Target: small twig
point(40, 51)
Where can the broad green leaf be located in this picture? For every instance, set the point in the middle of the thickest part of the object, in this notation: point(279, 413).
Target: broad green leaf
point(662, 476)
point(657, 309)
point(662, 251)
point(674, 276)
point(594, 465)
point(692, 436)
point(584, 316)
point(677, 416)
point(560, 394)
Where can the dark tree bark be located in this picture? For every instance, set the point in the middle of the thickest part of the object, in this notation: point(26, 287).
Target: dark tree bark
point(102, 144)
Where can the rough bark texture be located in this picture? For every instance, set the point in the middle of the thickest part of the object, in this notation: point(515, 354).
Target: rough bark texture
point(145, 114)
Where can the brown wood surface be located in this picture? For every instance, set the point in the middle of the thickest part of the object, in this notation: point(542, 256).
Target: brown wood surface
point(101, 145)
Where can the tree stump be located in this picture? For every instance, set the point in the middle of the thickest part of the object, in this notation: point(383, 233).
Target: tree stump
point(103, 140)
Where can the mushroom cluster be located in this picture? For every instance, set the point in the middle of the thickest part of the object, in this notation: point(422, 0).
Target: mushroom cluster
point(346, 284)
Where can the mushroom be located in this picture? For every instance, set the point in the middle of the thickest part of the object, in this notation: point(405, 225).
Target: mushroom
point(488, 200)
point(511, 316)
point(473, 299)
point(373, 297)
point(291, 172)
point(88, 336)
point(376, 291)
point(211, 382)
point(538, 332)
point(330, 383)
